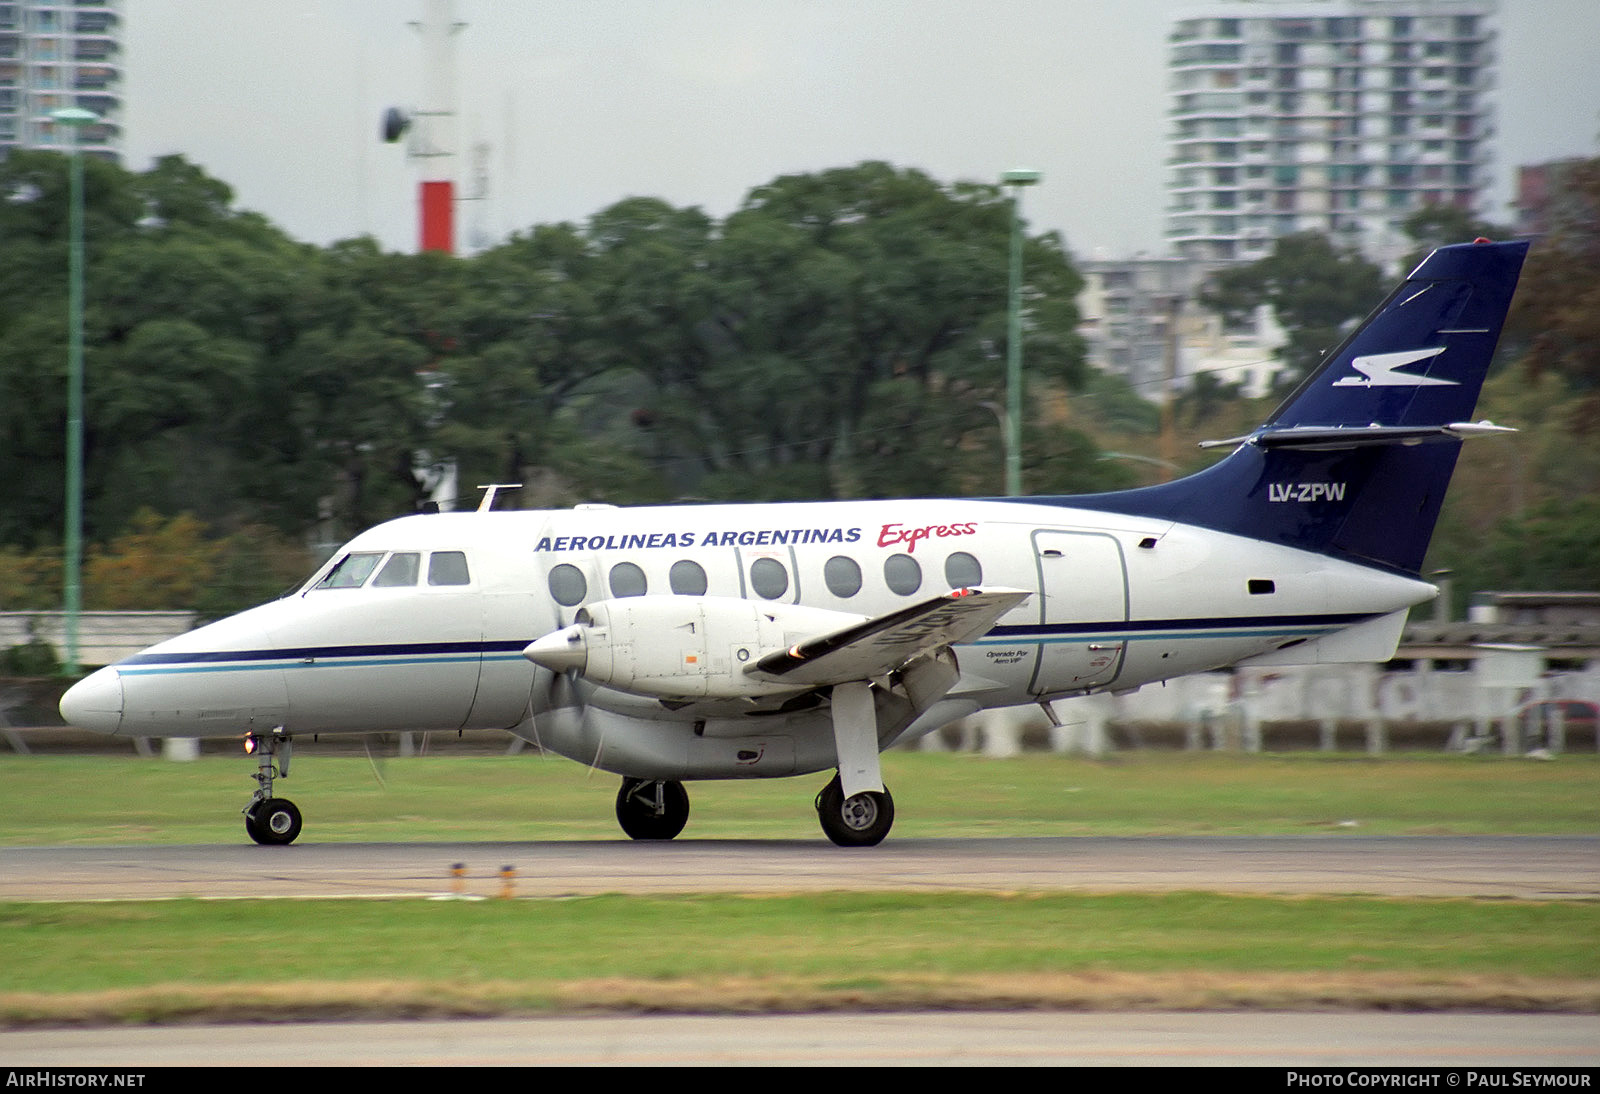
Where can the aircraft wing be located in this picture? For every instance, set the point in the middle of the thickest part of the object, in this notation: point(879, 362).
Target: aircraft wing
point(879, 646)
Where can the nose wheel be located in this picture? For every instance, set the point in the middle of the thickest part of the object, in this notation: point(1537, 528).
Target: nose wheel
point(269, 820)
point(272, 821)
point(652, 809)
point(859, 821)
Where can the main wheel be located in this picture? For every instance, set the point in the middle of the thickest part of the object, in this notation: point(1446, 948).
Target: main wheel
point(272, 821)
point(652, 809)
point(861, 821)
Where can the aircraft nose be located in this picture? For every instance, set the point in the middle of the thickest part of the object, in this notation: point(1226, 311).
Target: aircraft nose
point(560, 650)
point(95, 702)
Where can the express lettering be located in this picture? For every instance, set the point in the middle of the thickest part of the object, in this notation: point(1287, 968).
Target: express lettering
point(893, 534)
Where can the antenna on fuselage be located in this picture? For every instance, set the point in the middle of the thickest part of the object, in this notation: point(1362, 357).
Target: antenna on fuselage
point(492, 489)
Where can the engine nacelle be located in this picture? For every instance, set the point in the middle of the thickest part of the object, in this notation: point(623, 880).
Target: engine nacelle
point(682, 647)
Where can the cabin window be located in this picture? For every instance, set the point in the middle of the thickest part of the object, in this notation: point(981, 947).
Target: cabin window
point(401, 570)
point(567, 585)
point(902, 574)
point(688, 578)
point(448, 568)
point(351, 571)
point(1261, 586)
point(768, 578)
point(627, 580)
point(842, 576)
point(963, 571)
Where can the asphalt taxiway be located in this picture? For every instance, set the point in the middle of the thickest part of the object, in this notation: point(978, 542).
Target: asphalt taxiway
point(1530, 868)
point(1445, 1046)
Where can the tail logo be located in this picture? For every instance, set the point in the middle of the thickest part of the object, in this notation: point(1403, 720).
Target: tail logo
point(1379, 370)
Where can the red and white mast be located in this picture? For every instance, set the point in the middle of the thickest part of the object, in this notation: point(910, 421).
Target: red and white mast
point(436, 128)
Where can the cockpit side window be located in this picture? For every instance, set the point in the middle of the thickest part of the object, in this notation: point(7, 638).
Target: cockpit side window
point(401, 570)
point(448, 568)
point(351, 571)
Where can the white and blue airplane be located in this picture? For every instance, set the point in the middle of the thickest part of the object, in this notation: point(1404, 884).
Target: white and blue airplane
point(674, 643)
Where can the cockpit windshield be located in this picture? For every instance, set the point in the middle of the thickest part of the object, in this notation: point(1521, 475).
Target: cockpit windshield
point(400, 570)
point(395, 570)
point(350, 571)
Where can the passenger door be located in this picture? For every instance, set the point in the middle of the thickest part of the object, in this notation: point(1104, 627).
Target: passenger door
point(1083, 584)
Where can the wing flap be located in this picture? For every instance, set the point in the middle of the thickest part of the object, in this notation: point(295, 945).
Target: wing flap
point(879, 646)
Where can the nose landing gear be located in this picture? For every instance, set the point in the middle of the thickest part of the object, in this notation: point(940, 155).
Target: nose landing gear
point(269, 820)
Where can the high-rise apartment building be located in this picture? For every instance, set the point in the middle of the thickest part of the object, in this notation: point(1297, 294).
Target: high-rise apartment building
point(1337, 116)
point(56, 54)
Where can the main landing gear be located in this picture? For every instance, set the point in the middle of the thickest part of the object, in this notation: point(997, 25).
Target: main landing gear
point(859, 821)
point(658, 809)
point(269, 820)
point(652, 809)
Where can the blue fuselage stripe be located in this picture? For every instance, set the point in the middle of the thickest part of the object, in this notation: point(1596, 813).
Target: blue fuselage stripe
point(446, 653)
point(1136, 630)
point(386, 655)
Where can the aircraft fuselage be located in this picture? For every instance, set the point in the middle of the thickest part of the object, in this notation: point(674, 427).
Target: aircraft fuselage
point(729, 641)
point(1115, 602)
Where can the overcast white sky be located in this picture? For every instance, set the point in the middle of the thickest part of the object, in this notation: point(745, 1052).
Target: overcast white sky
point(584, 102)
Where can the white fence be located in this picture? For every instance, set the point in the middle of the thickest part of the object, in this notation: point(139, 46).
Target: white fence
point(103, 637)
point(1241, 710)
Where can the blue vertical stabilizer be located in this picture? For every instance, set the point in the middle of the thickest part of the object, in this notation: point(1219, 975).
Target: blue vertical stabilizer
point(1356, 461)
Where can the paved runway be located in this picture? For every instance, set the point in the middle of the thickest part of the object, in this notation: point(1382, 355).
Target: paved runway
point(1443, 1044)
point(1534, 867)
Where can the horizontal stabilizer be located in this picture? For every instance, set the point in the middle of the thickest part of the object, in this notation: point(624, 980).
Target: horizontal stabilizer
point(1336, 438)
point(877, 647)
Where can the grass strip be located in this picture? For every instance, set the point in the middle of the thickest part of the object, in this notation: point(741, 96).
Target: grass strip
point(98, 799)
point(260, 960)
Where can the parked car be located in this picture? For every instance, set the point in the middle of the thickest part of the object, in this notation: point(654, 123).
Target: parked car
point(1580, 720)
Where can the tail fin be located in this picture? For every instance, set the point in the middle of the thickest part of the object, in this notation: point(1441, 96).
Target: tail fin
point(1356, 461)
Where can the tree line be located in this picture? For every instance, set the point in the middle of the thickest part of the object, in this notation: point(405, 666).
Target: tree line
point(841, 334)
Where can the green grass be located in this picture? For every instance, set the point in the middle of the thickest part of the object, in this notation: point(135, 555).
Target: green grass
point(177, 959)
point(97, 799)
point(822, 935)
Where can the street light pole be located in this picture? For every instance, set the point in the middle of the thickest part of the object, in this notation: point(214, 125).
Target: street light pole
point(75, 119)
point(1016, 180)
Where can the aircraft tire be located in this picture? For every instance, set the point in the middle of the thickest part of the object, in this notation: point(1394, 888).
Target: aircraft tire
point(636, 809)
point(272, 821)
point(861, 821)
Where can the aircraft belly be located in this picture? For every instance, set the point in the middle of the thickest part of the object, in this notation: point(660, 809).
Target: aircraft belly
point(642, 744)
point(505, 691)
point(1148, 661)
point(617, 743)
point(771, 756)
point(183, 701)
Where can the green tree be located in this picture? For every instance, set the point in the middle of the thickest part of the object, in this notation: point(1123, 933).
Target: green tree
point(1317, 291)
point(1521, 513)
point(848, 329)
point(545, 326)
point(1435, 226)
point(1557, 310)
